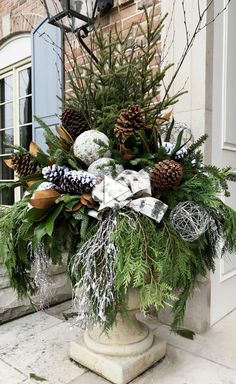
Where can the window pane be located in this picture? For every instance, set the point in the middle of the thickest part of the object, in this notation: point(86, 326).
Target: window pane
point(6, 115)
point(6, 136)
point(7, 197)
point(6, 89)
point(25, 136)
point(25, 111)
point(6, 173)
point(25, 82)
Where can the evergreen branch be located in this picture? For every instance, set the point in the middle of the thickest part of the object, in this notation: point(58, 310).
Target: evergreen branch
point(9, 186)
point(18, 148)
point(198, 143)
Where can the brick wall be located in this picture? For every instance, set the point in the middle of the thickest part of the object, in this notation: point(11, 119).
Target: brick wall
point(123, 15)
point(22, 15)
point(19, 16)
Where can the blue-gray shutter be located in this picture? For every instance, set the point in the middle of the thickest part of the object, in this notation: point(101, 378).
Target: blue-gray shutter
point(47, 77)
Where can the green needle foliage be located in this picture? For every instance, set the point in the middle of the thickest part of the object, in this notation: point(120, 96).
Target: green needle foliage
point(127, 72)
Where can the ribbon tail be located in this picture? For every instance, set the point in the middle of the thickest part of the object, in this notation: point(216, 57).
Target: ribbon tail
point(150, 207)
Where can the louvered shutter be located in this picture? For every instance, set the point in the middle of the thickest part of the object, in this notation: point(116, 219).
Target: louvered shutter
point(47, 77)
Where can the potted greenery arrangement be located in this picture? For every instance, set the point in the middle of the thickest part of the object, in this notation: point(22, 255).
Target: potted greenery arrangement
point(124, 186)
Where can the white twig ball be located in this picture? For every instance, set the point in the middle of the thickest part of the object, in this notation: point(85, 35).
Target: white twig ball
point(190, 220)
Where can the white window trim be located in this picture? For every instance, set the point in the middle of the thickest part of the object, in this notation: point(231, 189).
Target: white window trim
point(14, 51)
point(14, 71)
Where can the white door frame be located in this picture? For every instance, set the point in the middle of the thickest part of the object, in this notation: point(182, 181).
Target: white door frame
point(223, 281)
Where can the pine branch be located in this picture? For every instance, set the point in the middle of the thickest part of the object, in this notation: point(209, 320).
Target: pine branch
point(9, 186)
point(197, 144)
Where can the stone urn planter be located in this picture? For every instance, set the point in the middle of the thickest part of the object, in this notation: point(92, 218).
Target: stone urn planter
point(129, 349)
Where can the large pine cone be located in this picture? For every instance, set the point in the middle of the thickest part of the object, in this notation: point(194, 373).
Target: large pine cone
point(130, 120)
point(74, 122)
point(167, 174)
point(24, 165)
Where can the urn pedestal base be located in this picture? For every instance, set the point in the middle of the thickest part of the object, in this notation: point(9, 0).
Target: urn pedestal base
point(117, 369)
point(129, 349)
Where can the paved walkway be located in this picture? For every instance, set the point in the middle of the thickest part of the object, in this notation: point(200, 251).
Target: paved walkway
point(36, 346)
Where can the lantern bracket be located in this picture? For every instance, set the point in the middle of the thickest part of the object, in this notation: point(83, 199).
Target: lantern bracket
point(82, 33)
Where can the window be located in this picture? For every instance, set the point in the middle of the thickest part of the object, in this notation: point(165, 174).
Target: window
point(15, 119)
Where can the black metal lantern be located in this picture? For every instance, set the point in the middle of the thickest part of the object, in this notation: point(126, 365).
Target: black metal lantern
point(73, 15)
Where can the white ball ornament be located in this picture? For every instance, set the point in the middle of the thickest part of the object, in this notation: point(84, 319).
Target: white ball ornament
point(87, 148)
point(105, 167)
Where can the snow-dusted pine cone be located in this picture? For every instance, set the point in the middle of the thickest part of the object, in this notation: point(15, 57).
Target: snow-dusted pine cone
point(54, 173)
point(77, 182)
point(46, 185)
point(168, 147)
point(167, 174)
point(181, 153)
point(69, 181)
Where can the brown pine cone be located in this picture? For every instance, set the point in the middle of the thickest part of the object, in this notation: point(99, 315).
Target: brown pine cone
point(74, 122)
point(24, 165)
point(167, 174)
point(130, 120)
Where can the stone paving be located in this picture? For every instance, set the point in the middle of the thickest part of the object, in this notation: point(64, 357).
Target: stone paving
point(36, 346)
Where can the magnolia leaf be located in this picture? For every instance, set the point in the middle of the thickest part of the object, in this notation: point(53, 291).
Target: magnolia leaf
point(75, 208)
point(34, 214)
point(127, 153)
point(30, 183)
point(69, 315)
point(69, 201)
point(46, 193)
point(43, 203)
point(36, 377)
point(46, 226)
point(163, 118)
point(167, 116)
point(86, 199)
point(88, 196)
point(33, 148)
point(33, 184)
point(87, 203)
point(9, 163)
point(130, 142)
point(44, 199)
point(64, 134)
point(187, 333)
